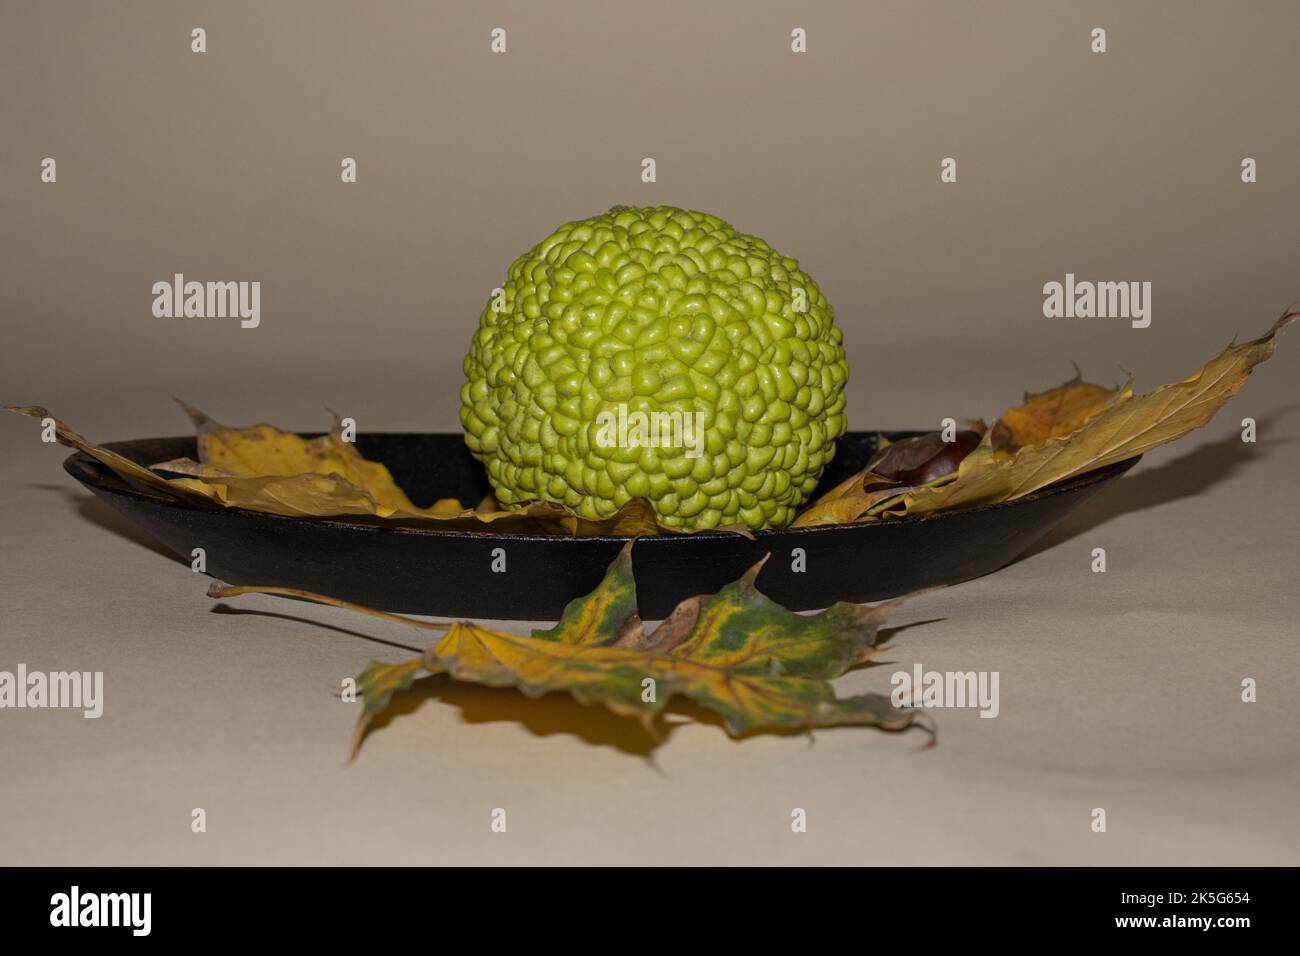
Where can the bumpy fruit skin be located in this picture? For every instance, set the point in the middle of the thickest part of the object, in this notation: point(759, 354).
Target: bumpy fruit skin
point(658, 310)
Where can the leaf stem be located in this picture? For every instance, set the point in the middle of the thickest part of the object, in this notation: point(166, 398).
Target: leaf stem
point(219, 589)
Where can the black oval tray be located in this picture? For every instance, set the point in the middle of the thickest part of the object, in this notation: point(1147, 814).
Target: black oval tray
point(448, 573)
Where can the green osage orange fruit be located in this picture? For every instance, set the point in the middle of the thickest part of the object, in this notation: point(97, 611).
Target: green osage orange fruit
point(656, 353)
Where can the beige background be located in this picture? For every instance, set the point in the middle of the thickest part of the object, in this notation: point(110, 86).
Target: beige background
point(1118, 690)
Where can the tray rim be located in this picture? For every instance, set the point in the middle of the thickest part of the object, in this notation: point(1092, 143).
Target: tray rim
point(90, 472)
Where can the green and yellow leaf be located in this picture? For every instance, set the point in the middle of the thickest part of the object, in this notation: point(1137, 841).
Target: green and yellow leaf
point(735, 652)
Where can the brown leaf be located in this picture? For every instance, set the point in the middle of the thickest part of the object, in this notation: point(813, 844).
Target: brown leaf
point(896, 467)
point(265, 469)
point(1114, 428)
point(923, 458)
point(125, 468)
point(1054, 413)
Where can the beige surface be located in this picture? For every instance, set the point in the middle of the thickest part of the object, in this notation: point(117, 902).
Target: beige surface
point(1118, 691)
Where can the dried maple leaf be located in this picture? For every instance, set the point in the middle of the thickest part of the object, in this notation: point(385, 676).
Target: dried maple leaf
point(237, 460)
point(1108, 427)
point(1054, 435)
point(266, 469)
point(125, 468)
point(1054, 413)
point(735, 652)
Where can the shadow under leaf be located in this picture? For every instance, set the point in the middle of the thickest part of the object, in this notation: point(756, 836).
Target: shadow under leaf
point(545, 716)
point(558, 713)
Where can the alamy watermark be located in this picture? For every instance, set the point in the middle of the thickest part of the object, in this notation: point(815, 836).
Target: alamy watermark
point(922, 688)
point(78, 690)
point(208, 300)
point(1082, 299)
point(75, 908)
point(651, 430)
